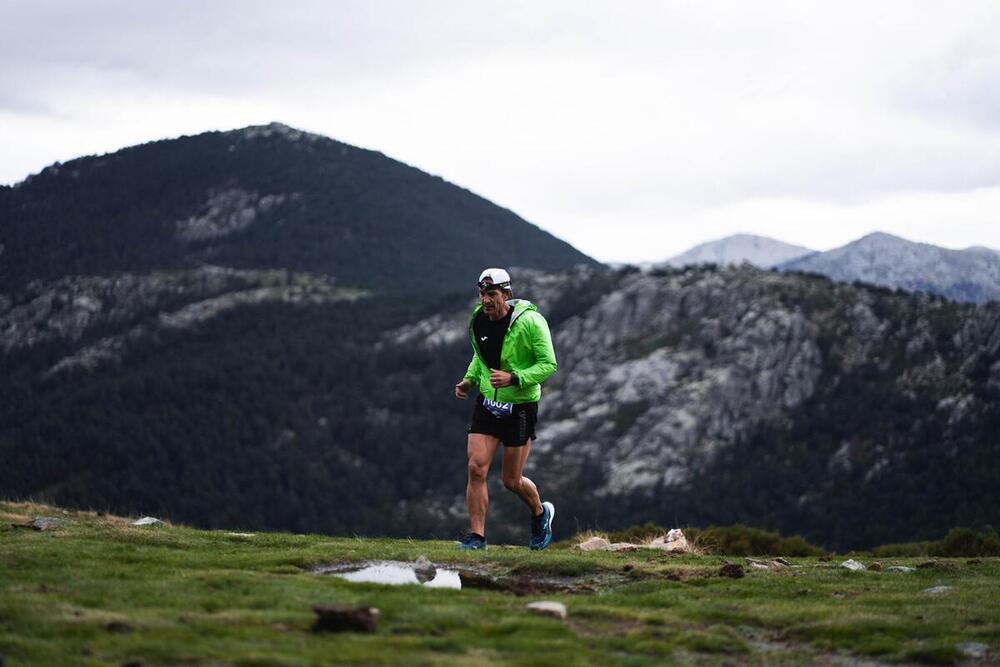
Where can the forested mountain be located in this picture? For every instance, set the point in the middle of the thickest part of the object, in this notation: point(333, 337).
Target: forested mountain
point(851, 414)
point(266, 197)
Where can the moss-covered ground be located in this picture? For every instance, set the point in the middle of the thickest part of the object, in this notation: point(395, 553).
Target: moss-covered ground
point(98, 591)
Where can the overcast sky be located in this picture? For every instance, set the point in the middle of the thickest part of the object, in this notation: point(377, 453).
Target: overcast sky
point(633, 130)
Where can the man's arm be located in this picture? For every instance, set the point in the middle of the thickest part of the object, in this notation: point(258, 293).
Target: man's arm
point(545, 356)
point(471, 379)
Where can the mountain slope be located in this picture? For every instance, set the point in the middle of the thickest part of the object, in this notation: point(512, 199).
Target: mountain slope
point(759, 251)
point(683, 397)
point(258, 198)
point(882, 259)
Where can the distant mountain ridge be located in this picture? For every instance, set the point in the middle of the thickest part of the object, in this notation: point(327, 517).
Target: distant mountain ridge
point(261, 197)
point(971, 275)
point(759, 251)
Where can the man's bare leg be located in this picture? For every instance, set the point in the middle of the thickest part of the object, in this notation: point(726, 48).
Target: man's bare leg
point(514, 459)
point(481, 449)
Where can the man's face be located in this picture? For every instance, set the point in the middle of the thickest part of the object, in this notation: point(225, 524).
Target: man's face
point(493, 300)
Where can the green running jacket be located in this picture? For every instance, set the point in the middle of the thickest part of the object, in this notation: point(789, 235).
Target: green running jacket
point(526, 351)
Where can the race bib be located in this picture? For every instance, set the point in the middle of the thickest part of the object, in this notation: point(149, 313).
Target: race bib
point(497, 408)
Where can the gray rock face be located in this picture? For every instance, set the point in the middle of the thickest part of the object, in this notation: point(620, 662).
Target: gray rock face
point(660, 375)
point(67, 308)
point(135, 307)
point(227, 212)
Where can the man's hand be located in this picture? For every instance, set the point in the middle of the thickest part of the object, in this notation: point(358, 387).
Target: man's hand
point(499, 379)
point(463, 387)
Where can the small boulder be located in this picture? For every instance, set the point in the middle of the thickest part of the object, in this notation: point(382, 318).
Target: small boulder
point(424, 569)
point(731, 570)
point(594, 544)
point(146, 521)
point(974, 650)
point(548, 608)
point(875, 567)
point(42, 523)
point(343, 618)
point(853, 565)
point(622, 546)
point(674, 540)
point(938, 590)
point(900, 568)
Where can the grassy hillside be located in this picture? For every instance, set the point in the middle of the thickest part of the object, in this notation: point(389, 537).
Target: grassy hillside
point(97, 590)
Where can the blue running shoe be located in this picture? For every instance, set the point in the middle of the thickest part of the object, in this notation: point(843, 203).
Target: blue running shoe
point(472, 542)
point(541, 526)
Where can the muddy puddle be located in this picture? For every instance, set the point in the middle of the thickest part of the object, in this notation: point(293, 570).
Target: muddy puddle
point(394, 573)
point(425, 573)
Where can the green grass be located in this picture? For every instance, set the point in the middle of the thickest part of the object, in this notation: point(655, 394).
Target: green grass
point(99, 591)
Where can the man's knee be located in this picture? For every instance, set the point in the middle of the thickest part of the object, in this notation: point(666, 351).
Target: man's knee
point(510, 482)
point(478, 471)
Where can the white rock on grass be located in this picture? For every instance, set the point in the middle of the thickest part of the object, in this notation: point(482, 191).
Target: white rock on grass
point(973, 649)
point(548, 608)
point(594, 544)
point(900, 568)
point(853, 565)
point(146, 521)
point(672, 541)
point(938, 590)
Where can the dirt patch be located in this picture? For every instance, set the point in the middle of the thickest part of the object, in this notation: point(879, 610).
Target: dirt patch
point(731, 570)
point(937, 565)
point(525, 584)
point(773, 647)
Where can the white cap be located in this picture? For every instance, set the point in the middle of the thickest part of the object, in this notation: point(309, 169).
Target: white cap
point(497, 276)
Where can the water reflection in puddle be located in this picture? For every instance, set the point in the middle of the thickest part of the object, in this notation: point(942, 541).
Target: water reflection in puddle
point(404, 573)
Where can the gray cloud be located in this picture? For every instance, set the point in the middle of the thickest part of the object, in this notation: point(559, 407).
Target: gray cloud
point(559, 110)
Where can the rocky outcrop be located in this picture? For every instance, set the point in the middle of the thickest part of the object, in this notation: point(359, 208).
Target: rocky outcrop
point(126, 309)
point(227, 212)
point(662, 373)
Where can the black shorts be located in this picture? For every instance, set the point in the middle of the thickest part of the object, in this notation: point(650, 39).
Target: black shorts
point(513, 430)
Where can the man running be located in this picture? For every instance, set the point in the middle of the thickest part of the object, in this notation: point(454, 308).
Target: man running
point(511, 356)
